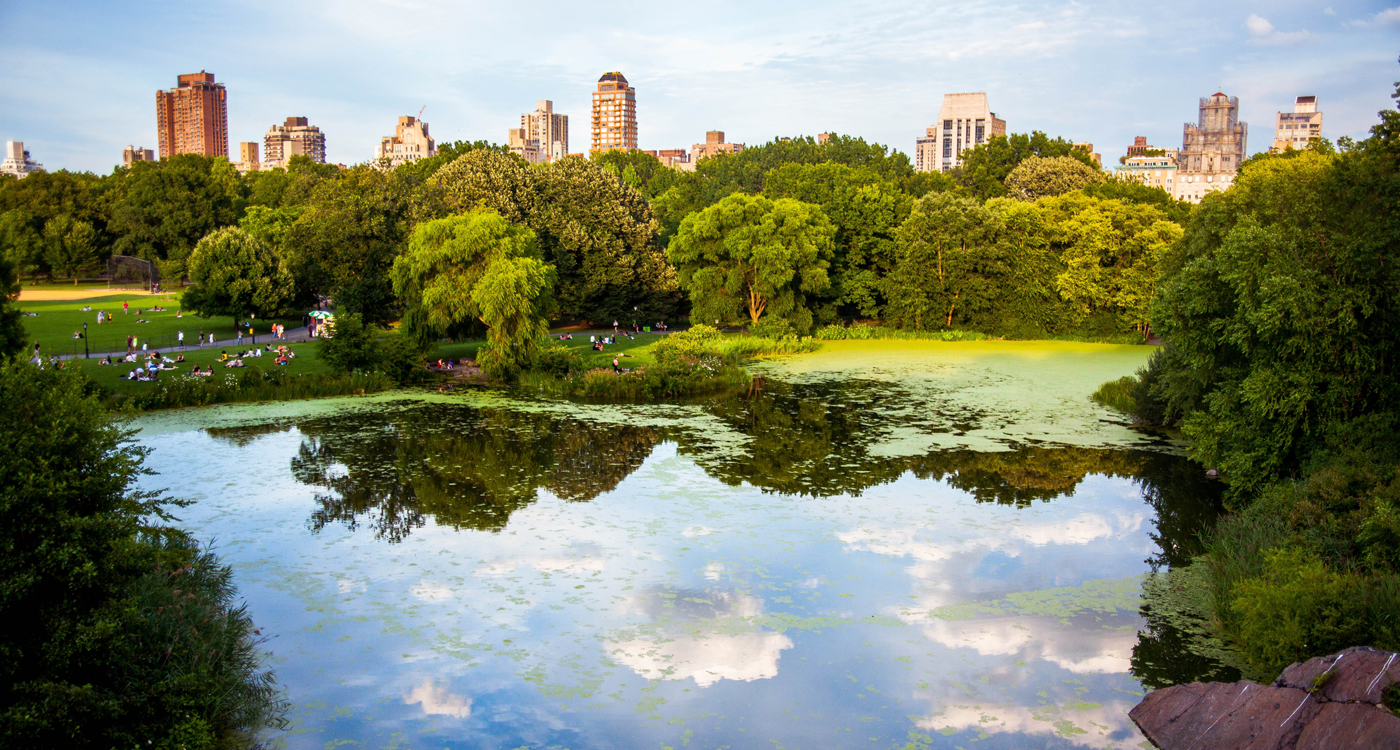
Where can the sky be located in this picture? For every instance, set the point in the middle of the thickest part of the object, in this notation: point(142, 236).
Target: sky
point(79, 78)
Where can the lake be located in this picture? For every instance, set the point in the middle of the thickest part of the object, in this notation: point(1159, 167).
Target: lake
point(880, 545)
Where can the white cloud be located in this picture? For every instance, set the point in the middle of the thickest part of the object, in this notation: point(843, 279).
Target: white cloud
point(707, 659)
point(1088, 725)
point(431, 591)
point(437, 701)
point(1259, 26)
point(1387, 17)
point(1328, 11)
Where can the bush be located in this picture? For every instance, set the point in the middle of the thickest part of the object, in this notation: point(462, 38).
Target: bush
point(556, 360)
point(118, 631)
point(255, 384)
point(355, 348)
point(864, 332)
point(773, 328)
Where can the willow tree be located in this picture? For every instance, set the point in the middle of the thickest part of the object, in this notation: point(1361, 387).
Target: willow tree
point(478, 267)
point(750, 256)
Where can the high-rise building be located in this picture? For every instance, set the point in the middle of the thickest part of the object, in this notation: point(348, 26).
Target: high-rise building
point(293, 138)
point(1299, 127)
point(192, 118)
point(520, 144)
point(964, 121)
point(410, 142)
point(614, 114)
point(1212, 148)
point(17, 161)
point(133, 154)
point(549, 131)
point(247, 158)
point(713, 146)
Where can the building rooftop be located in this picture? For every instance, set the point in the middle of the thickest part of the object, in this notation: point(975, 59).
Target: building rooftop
point(613, 76)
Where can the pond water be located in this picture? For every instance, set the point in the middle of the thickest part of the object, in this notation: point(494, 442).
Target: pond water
point(880, 545)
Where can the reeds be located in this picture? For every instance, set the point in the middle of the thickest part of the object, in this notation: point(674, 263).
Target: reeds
point(254, 384)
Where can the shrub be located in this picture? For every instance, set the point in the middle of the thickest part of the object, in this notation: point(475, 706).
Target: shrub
point(864, 332)
point(556, 360)
point(1118, 395)
point(255, 384)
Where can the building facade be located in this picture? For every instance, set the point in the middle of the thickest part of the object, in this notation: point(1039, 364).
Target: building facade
point(17, 161)
point(192, 118)
point(1212, 148)
point(1088, 148)
point(522, 145)
point(1299, 127)
point(133, 154)
point(1156, 171)
point(714, 145)
point(294, 137)
point(410, 142)
point(549, 131)
point(614, 114)
point(964, 121)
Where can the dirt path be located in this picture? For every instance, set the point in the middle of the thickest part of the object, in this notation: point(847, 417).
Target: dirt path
point(49, 294)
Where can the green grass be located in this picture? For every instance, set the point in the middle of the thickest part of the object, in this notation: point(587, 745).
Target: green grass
point(1118, 395)
point(109, 376)
point(57, 320)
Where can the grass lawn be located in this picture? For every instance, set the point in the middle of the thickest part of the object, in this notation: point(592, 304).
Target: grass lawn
point(638, 350)
point(109, 376)
point(57, 320)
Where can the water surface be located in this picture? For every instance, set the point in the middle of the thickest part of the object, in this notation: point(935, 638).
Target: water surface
point(913, 545)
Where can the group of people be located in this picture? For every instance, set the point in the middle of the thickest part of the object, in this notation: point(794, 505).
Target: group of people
point(151, 369)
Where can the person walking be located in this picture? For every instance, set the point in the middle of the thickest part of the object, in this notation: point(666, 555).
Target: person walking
point(240, 335)
point(99, 317)
point(129, 342)
point(211, 338)
point(123, 307)
point(614, 326)
point(200, 340)
point(181, 336)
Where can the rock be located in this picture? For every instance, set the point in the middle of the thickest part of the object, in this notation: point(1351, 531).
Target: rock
point(1344, 713)
point(1212, 473)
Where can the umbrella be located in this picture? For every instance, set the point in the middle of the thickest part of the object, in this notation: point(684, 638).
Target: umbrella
point(320, 315)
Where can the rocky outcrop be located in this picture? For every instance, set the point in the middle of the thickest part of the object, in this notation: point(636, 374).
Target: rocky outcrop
point(1329, 702)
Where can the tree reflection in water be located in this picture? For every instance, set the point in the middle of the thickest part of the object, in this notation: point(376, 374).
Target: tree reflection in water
point(471, 468)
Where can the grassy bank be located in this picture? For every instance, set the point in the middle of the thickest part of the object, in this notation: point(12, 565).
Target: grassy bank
point(253, 384)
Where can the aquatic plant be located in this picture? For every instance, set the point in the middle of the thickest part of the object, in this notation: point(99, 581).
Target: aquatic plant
point(1118, 394)
point(254, 384)
point(865, 332)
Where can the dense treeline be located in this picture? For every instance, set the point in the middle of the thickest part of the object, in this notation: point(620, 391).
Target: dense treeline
point(1025, 240)
point(1280, 308)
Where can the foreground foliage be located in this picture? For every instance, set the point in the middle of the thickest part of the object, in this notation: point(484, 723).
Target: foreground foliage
point(120, 631)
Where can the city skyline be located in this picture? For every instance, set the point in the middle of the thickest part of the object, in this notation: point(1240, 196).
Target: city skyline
point(80, 77)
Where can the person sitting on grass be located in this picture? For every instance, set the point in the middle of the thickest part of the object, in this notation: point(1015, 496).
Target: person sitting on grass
point(179, 359)
point(234, 363)
point(223, 355)
point(76, 335)
point(86, 308)
point(282, 360)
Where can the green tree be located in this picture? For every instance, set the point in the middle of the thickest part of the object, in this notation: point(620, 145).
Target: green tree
point(236, 274)
point(1132, 191)
point(986, 166)
point(867, 212)
point(22, 244)
point(478, 266)
point(947, 259)
point(12, 339)
point(1048, 176)
point(750, 256)
point(119, 631)
point(485, 178)
point(161, 210)
point(70, 247)
point(345, 242)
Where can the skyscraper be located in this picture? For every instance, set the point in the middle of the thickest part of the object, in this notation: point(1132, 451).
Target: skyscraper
point(1211, 148)
point(293, 138)
point(192, 118)
point(16, 160)
point(133, 154)
point(1299, 127)
point(614, 114)
point(410, 142)
point(548, 130)
point(964, 121)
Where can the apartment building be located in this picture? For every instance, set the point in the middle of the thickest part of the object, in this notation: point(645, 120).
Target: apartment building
point(410, 142)
point(1156, 171)
point(133, 154)
point(548, 130)
point(192, 118)
point(614, 114)
point(714, 145)
point(964, 121)
point(1212, 148)
point(675, 158)
point(247, 158)
point(522, 145)
point(1299, 127)
point(1088, 148)
point(17, 161)
point(294, 137)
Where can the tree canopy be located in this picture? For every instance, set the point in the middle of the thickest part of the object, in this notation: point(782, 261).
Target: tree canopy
point(986, 166)
point(1049, 176)
point(237, 274)
point(751, 256)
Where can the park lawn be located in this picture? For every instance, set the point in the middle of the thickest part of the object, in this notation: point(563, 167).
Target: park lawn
point(110, 376)
point(638, 350)
point(57, 320)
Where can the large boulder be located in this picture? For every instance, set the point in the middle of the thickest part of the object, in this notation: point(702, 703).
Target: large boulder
point(1328, 702)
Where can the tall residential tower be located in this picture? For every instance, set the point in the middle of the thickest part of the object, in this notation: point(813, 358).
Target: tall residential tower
point(1299, 127)
point(192, 118)
point(293, 138)
point(964, 121)
point(1211, 148)
point(410, 142)
point(614, 114)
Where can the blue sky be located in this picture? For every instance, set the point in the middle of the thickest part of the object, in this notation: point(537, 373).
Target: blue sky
point(79, 78)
